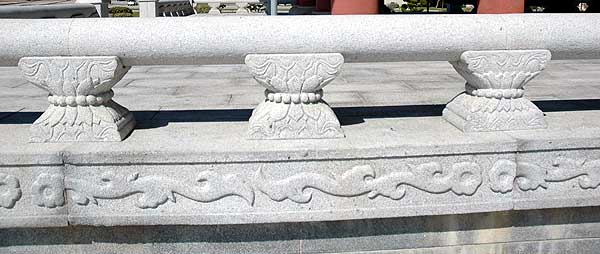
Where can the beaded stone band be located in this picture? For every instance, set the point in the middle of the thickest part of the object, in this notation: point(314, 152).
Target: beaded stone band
point(498, 93)
point(81, 100)
point(296, 98)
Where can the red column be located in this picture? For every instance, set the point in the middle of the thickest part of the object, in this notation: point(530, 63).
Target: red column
point(500, 6)
point(306, 2)
point(323, 5)
point(344, 7)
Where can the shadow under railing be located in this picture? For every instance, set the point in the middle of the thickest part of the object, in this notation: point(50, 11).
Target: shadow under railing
point(347, 115)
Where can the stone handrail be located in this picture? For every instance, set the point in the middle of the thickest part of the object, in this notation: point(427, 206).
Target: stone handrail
point(78, 10)
point(214, 5)
point(358, 38)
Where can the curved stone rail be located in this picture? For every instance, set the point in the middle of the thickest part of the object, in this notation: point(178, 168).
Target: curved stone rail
point(358, 38)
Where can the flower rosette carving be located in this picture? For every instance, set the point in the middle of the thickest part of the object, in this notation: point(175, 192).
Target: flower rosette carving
point(502, 176)
point(48, 190)
point(10, 190)
point(293, 107)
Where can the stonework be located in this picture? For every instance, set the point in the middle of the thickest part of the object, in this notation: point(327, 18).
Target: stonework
point(256, 192)
point(494, 99)
point(81, 106)
point(294, 108)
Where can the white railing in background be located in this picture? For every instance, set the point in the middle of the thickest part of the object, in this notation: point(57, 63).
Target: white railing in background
point(214, 5)
point(165, 8)
point(175, 8)
point(101, 6)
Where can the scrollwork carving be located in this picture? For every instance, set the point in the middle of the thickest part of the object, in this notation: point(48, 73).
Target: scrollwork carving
point(532, 176)
point(151, 191)
point(461, 178)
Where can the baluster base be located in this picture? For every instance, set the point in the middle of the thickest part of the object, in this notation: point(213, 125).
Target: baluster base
point(477, 114)
point(493, 98)
point(271, 120)
point(107, 122)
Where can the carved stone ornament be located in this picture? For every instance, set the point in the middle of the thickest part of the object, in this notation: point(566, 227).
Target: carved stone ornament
point(494, 100)
point(528, 176)
point(293, 108)
point(81, 106)
point(10, 190)
point(52, 190)
point(151, 191)
point(461, 178)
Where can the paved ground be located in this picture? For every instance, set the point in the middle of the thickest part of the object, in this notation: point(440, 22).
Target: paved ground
point(198, 93)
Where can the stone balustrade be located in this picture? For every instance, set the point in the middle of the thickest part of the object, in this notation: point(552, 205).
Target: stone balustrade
point(165, 8)
point(215, 4)
point(77, 10)
point(232, 174)
point(293, 69)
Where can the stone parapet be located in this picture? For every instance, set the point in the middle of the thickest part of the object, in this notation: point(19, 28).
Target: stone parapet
point(384, 168)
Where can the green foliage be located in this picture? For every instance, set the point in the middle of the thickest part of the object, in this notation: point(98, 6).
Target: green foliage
point(120, 9)
point(122, 15)
point(202, 8)
point(414, 6)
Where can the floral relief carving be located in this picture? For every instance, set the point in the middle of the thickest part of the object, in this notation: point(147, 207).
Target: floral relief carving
point(151, 191)
point(562, 169)
point(81, 106)
point(502, 176)
point(293, 107)
point(531, 176)
point(461, 178)
point(48, 190)
point(10, 190)
point(508, 69)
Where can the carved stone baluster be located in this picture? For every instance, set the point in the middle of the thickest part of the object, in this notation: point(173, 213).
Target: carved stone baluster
point(242, 8)
point(293, 108)
point(494, 100)
point(214, 8)
point(81, 106)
